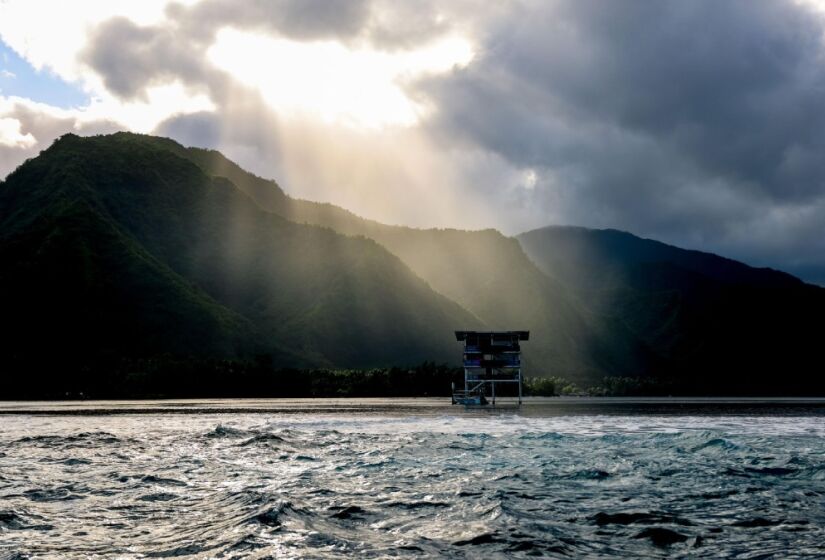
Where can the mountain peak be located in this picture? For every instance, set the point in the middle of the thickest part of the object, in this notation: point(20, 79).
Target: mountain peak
point(613, 248)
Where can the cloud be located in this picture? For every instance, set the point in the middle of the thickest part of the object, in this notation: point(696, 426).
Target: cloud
point(298, 19)
point(49, 35)
point(131, 58)
point(698, 122)
point(10, 134)
point(26, 127)
point(265, 86)
point(56, 45)
point(357, 86)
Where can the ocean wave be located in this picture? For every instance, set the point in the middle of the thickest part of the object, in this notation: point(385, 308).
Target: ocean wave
point(298, 486)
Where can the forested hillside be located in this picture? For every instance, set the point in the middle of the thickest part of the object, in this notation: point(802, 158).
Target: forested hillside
point(116, 245)
point(485, 272)
point(719, 322)
point(125, 248)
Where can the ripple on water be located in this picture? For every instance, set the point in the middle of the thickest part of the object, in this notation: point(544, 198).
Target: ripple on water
point(82, 439)
point(10, 520)
point(350, 512)
point(158, 497)
point(51, 494)
point(375, 486)
point(661, 536)
point(263, 439)
point(631, 518)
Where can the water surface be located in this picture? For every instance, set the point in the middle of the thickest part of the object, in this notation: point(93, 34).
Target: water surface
point(415, 478)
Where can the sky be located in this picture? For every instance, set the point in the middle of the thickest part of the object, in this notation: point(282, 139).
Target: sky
point(699, 123)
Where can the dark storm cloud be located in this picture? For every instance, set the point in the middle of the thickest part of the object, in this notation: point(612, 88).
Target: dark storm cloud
point(701, 122)
point(736, 85)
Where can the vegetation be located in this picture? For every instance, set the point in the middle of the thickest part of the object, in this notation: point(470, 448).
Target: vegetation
point(485, 272)
point(175, 376)
point(716, 325)
point(117, 246)
point(196, 377)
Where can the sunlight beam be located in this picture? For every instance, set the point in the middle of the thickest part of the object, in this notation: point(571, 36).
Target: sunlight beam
point(335, 83)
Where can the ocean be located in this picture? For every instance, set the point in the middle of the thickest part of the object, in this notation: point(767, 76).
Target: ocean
point(556, 478)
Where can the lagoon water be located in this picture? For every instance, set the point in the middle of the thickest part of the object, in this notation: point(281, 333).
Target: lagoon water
point(557, 478)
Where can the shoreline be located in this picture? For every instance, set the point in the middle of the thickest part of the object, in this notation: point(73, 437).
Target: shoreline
point(401, 405)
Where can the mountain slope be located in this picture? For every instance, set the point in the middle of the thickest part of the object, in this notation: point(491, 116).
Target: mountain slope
point(485, 272)
point(135, 246)
point(720, 321)
point(77, 284)
point(161, 226)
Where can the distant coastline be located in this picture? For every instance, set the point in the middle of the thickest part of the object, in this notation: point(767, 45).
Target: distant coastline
point(171, 377)
point(542, 406)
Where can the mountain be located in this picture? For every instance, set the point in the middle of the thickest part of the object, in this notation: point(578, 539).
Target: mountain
point(719, 322)
point(599, 303)
point(132, 246)
point(117, 245)
point(483, 271)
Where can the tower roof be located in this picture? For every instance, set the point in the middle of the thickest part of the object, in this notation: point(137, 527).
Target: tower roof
point(520, 335)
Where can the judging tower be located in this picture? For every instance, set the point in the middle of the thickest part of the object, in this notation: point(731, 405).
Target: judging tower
point(490, 358)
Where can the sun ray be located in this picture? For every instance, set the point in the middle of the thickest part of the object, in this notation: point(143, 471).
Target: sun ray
point(333, 82)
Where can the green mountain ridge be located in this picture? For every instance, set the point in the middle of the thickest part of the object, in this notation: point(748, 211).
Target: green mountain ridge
point(244, 280)
point(485, 272)
point(716, 320)
point(135, 246)
point(618, 305)
point(84, 272)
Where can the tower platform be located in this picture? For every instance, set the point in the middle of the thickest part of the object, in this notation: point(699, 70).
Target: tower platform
point(490, 358)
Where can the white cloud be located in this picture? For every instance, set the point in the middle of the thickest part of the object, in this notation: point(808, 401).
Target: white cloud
point(7, 74)
point(12, 136)
point(530, 179)
point(54, 44)
point(160, 103)
point(336, 83)
point(50, 34)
